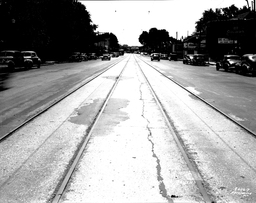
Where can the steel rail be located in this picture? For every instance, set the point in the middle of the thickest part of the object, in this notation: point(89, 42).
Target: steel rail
point(59, 99)
point(60, 191)
point(192, 167)
point(203, 100)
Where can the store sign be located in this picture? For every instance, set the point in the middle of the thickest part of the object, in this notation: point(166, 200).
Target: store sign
point(189, 45)
point(226, 41)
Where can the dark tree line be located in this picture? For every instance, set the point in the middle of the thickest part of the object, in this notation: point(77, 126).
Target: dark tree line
point(156, 40)
point(53, 28)
point(219, 14)
point(113, 41)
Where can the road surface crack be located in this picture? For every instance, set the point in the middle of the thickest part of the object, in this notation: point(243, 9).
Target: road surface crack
point(160, 179)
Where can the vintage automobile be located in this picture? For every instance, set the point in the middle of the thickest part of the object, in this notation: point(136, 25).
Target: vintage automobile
point(247, 64)
point(187, 59)
point(198, 59)
point(164, 56)
point(106, 56)
point(84, 56)
point(11, 59)
point(173, 57)
point(4, 76)
point(115, 54)
point(31, 59)
point(76, 57)
point(92, 56)
point(229, 62)
point(155, 56)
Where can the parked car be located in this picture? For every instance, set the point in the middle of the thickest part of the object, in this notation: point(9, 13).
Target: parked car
point(198, 59)
point(4, 76)
point(155, 56)
point(187, 59)
point(11, 59)
point(173, 57)
point(92, 56)
point(247, 65)
point(84, 56)
point(229, 62)
point(115, 54)
point(31, 59)
point(106, 56)
point(76, 57)
point(164, 56)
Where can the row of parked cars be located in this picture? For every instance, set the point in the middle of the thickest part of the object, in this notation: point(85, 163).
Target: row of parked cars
point(242, 65)
point(12, 59)
point(195, 59)
point(158, 56)
point(79, 56)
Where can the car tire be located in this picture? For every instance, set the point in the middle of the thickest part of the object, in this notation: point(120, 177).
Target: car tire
point(11, 66)
point(225, 66)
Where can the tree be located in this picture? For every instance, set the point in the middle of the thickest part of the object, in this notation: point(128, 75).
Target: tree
point(52, 28)
point(155, 39)
point(218, 14)
point(144, 38)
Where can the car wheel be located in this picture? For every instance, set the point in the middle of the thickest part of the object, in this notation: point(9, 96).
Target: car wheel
point(11, 66)
point(225, 66)
point(244, 69)
point(38, 65)
point(27, 66)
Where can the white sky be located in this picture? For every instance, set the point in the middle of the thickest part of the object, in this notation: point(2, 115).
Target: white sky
point(127, 19)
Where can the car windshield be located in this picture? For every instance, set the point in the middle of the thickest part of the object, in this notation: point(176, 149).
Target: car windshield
point(26, 54)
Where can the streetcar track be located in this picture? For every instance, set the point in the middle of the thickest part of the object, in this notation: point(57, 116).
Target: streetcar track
point(192, 166)
point(59, 99)
point(60, 190)
point(203, 100)
point(193, 169)
point(62, 185)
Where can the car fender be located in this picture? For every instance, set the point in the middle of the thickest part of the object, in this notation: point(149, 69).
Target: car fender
point(10, 63)
point(28, 61)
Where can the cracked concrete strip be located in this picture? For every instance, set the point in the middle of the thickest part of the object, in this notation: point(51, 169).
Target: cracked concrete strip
point(131, 156)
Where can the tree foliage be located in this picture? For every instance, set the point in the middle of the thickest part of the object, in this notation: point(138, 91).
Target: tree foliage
point(154, 39)
point(54, 28)
point(218, 14)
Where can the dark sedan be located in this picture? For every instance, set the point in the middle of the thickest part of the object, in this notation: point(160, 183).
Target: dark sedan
point(229, 62)
point(106, 57)
point(173, 57)
point(187, 59)
point(155, 56)
point(248, 64)
point(31, 59)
